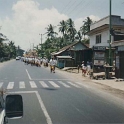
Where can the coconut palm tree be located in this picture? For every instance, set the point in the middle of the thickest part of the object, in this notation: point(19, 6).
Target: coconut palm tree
point(71, 29)
point(79, 36)
point(50, 31)
point(86, 26)
point(62, 27)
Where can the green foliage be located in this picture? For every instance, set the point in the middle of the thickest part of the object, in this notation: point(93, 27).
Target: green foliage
point(69, 35)
point(7, 50)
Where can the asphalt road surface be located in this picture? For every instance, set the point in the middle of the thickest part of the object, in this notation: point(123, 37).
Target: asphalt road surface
point(52, 98)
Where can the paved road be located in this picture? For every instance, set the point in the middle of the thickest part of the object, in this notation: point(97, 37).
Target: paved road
point(56, 99)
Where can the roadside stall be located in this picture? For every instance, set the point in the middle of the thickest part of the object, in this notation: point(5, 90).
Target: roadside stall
point(98, 62)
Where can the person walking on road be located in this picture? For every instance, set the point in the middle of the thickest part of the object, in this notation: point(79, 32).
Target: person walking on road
point(83, 69)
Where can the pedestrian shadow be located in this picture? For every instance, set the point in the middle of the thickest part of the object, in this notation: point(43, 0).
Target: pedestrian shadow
point(52, 89)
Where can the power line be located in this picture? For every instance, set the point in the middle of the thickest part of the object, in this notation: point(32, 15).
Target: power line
point(85, 5)
point(71, 5)
point(76, 6)
point(66, 6)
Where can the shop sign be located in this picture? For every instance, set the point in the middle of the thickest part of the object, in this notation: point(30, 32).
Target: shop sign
point(99, 62)
point(99, 55)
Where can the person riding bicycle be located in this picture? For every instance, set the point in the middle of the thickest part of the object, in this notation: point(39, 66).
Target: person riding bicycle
point(52, 65)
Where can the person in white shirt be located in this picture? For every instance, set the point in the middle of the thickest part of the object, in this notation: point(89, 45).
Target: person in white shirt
point(83, 69)
point(52, 65)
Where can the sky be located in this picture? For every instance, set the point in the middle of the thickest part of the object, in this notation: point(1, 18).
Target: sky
point(22, 21)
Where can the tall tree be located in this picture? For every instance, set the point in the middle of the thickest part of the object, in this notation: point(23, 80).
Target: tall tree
point(71, 29)
point(86, 26)
point(50, 31)
point(62, 27)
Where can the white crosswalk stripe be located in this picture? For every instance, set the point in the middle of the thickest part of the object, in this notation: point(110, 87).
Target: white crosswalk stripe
point(33, 85)
point(10, 85)
point(43, 84)
point(65, 85)
point(21, 84)
point(54, 84)
point(1, 84)
point(73, 84)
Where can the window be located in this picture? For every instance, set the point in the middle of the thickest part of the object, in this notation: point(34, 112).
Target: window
point(98, 38)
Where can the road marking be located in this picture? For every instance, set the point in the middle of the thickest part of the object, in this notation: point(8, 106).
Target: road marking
point(48, 119)
point(21, 84)
point(10, 85)
point(33, 85)
point(67, 86)
point(28, 75)
point(49, 79)
point(73, 84)
point(53, 84)
point(82, 84)
point(43, 84)
point(1, 84)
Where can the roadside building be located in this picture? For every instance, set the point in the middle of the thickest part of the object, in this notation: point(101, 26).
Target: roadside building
point(99, 38)
point(72, 55)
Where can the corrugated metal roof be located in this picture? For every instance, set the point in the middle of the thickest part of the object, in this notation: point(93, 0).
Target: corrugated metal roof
point(67, 47)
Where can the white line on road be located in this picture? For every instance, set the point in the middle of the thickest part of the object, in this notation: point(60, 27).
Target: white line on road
point(49, 79)
point(33, 85)
point(55, 85)
point(1, 84)
point(82, 85)
point(67, 86)
point(22, 84)
point(48, 119)
point(73, 84)
point(43, 84)
point(10, 85)
point(28, 75)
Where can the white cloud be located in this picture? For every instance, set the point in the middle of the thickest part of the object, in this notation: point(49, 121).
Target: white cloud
point(28, 21)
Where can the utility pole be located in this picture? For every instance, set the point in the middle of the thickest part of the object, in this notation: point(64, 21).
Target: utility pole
point(41, 38)
point(110, 59)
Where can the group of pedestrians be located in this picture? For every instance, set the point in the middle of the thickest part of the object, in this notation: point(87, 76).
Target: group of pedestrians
point(86, 68)
point(35, 61)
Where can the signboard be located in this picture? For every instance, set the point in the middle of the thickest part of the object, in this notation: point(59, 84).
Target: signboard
point(99, 56)
point(117, 62)
point(99, 62)
point(100, 48)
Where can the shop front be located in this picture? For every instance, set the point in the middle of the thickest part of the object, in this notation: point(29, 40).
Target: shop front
point(98, 58)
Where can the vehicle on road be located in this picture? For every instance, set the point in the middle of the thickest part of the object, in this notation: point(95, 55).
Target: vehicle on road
point(11, 107)
point(17, 58)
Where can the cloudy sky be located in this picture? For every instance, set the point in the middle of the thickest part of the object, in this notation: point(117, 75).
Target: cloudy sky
point(23, 20)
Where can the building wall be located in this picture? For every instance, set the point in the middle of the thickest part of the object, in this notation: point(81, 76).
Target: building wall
point(104, 39)
point(116, 20)
point(79, 46)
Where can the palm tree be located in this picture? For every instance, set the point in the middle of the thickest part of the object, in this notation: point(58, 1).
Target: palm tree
point(79, 35)
point(62, 27)
point(86, 26)
point(70, 29)
point(50, 31)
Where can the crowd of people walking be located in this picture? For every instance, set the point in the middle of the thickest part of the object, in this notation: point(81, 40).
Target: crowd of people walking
point(36, 61)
